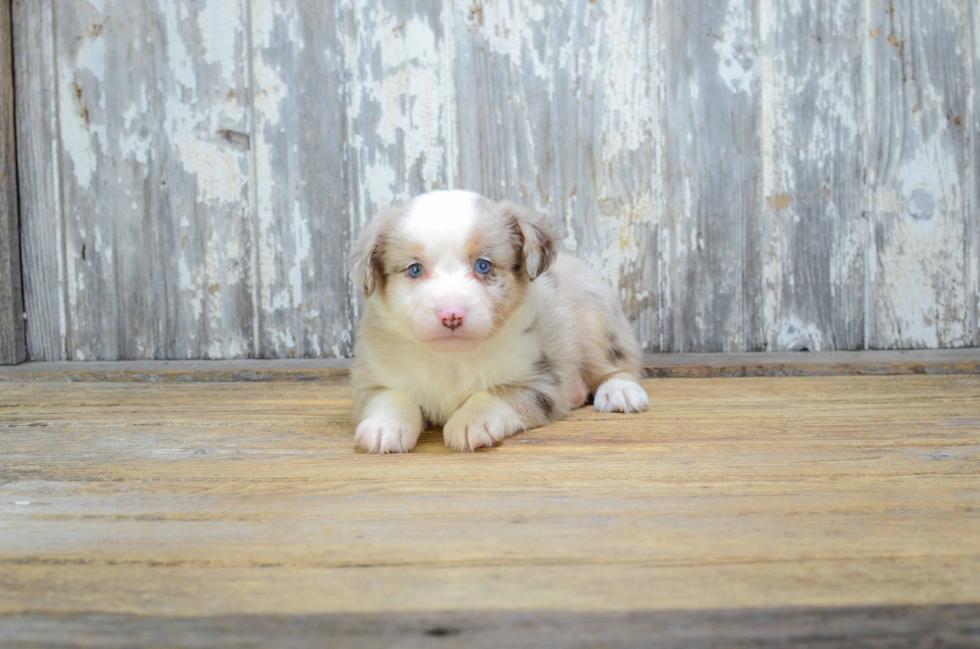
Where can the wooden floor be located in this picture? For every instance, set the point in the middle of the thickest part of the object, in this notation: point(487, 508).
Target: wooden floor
point(832, 511)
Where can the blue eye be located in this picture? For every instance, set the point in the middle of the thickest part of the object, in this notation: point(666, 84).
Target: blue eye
point(483, 266)
point(416, 270)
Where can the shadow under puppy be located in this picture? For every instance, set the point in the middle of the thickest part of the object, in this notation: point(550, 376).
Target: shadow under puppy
point(475, 322)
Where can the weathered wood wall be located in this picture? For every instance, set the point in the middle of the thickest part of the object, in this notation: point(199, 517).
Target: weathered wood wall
point(752, 175)
point(12, 343)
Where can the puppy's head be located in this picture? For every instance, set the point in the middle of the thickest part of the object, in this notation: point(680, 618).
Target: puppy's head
point(450, 267)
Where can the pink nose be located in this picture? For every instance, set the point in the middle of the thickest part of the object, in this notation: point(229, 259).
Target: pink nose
point(452, 318)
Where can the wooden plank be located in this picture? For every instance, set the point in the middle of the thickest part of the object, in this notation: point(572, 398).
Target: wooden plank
point(153, 102)
point(787, 364)
point(328, 370)
point(824, 501)
point(560, 109)
point(13, 348)
point(823, 627)
point(974, 259)
point(712, 238)
point(38, 167)
point(400, 100)
point(919, 172)
point(302, 202)
point(664, 366)
point(812, 131)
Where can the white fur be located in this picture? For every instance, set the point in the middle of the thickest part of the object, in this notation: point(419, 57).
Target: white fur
point(392, 424)
point(442, 221)
point(616, 395)
point(440, 383)
point(483, 421)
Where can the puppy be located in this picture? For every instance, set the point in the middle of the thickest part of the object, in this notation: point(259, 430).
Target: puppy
point(475, 322)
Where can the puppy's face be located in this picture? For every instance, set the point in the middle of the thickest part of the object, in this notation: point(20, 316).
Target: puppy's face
point(449, 268)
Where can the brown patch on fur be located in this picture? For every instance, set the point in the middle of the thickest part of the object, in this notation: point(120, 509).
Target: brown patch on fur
point(518, 267)
point(378, 266)
point(495, 239)
point(535, 405)
point(506, 293)
point(477, 243)
point(395, 254)
point(539, 243)
point(400, 253)
point(616, 352)
point(367, 254)
point(545, 403)
point(546, 370)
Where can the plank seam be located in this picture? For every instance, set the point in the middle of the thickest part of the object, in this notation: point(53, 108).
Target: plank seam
point(255, 271)
point(663, 268)
point(672, 366)
point(347, 173)
point(973, 243)
point(658, 64)
point(454, 168)
point(767, 181)
point(867, 180)
point(59, 188)
point(20, 320)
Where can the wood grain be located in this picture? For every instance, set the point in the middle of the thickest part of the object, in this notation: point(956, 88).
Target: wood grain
point(919, 171)
point(12, 345)
point(163, 501)
point(302, 207)
point(153, 100)
point(712, 230)
point(815, 209)
point(400, 100)
point(42, 231)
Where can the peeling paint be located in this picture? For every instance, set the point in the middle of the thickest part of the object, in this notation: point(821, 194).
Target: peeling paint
point(138, 142)
point(219, 35)
point(621, 249)
point(810, 133)
point(795, 335)
point(735, 46)
point(300, 170)
point(270, 92)
point(221, 173)
point(509, 29)
point(400, 110)
point(825, 85)
point(628, 112)
point(81, 140)
point(919, 272)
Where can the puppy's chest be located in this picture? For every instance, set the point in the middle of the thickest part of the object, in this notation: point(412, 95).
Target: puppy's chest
point(442, 385)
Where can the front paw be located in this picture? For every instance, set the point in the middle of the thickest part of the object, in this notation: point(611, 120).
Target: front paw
point(470, 429)
point(386, 434)
point(617, 395)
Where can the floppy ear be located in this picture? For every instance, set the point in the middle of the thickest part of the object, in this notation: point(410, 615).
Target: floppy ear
point(366, 255)
point(540, 244)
